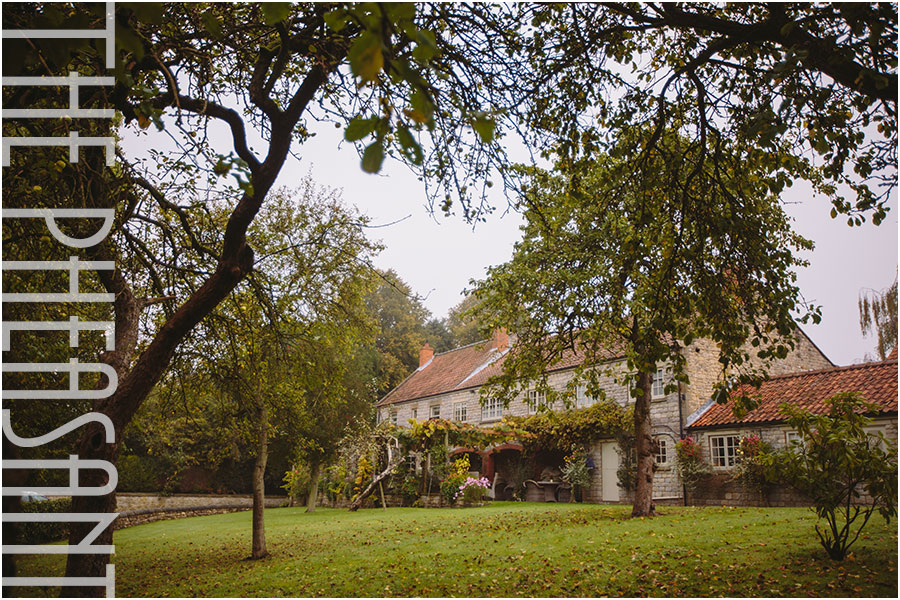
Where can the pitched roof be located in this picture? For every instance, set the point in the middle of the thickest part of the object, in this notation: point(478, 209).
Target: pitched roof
point(876, 382)
point(467, 367)
point(444, 373)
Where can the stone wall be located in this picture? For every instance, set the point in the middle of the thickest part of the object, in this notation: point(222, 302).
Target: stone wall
point(126, 501)
point(804, 357)
point(704, 370)
point(133, 518)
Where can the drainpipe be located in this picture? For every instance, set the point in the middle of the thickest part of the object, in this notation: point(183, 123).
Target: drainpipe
point(681, 437)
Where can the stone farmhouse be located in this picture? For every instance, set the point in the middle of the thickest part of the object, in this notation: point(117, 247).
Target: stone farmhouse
point(448, 385)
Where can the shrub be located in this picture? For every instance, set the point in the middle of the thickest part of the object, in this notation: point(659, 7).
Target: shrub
point(43, 532)
point(364, 474)
point(296, 482)
point(473, 490)
point(409, 488)
point(456, 477)
point(337, 483)
point(749, 469)
point(689, 463)
point(836, 462)
point(575, 469)
point(138, 474)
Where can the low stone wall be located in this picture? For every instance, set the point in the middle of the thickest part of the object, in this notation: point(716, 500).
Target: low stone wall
point(127, 501)
point(133, 518)
point(720, 490)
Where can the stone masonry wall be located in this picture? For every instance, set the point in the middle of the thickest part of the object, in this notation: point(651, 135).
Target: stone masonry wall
point(720, 490)
point(703, 368)
point(805, 357)
point(126, 502)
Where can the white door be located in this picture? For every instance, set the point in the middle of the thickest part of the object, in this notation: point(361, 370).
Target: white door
point(609, 480)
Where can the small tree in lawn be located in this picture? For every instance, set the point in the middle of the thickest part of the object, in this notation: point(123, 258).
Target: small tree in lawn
point(834, 464)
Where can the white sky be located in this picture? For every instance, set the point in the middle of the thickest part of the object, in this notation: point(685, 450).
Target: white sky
point(437, 256)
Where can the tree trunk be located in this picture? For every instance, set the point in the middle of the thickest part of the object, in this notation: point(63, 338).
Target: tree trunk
point(393, 461)
point(93, 444)
point(259, 487)
point(643, 441)
point(312, 496)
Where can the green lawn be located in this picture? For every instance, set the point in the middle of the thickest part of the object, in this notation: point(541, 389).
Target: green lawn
point(505, 549)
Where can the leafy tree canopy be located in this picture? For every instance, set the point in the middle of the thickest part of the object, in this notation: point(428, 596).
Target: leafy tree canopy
point(814, 85)
point(618, 263)
point(639, 265)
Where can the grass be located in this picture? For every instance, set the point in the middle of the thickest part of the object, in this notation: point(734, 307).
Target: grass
point(504, 549)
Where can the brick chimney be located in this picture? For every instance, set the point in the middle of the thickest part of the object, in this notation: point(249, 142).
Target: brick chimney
point(501, 339)
point(425, 354)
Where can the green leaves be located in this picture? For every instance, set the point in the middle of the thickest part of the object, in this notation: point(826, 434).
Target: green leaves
point(275, 12)
point(358, 128)
point(484, 126)
point(410, 147)
point(366, 58)
point(836, 460)
point(212, 23)
point(373, 156)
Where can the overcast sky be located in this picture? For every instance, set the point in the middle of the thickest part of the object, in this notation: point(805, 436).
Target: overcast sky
point(438, 255)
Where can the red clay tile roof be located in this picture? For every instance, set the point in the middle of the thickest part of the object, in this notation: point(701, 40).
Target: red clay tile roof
point(463, 368)
point(444, 373)
point(893, 354)
point(876, 382)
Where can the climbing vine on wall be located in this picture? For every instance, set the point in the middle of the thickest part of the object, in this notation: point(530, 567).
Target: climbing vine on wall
point(424, 436)
point(568, 429)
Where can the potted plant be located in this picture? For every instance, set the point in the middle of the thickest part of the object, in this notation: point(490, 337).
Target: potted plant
point(576, 472)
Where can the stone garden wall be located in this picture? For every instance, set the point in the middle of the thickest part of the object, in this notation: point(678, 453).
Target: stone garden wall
point(720, 490)
point(127, 501)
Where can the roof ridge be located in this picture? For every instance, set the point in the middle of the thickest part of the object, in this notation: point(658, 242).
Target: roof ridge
point(383, 400)
point(867, 365)
point(463, 347)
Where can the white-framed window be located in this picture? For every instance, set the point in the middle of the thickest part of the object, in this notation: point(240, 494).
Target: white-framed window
point(415, 414)
point(435, 412)
point(876, 435)
point(393, 417)
point(792, 438)
point(582, 399)
point(491, 409)
point(658, 387)
point(535, 399)
point(460, 411)
point(662, 452)
point(722, 450)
